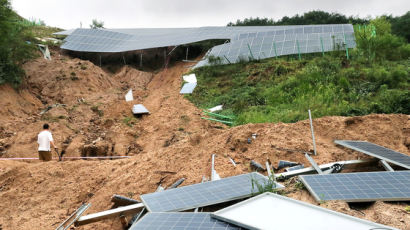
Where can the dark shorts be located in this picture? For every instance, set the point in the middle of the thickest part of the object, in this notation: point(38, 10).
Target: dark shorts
point(44, 155)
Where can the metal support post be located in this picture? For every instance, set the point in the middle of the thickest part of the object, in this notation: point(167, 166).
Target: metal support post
point(321, 43)
point(313, 133)
point(347, 50)
point(297, 43)
point(250, 51)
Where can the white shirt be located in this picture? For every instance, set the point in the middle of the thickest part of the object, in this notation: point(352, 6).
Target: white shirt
point(43, 140)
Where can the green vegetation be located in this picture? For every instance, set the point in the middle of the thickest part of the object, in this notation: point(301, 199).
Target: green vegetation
point(376, 79)
point(17, 42)
point(308, 18)
point(96, 109)
point(400, 25)
point(129, 121)
point(15, 47)
point(97, 24)
point(266, 186)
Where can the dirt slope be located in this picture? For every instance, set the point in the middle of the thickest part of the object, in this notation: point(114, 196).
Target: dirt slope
point(91, 117)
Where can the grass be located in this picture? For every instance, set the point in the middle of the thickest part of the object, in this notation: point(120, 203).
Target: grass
point(129, 121)
point(266, 186)
point(282, 90)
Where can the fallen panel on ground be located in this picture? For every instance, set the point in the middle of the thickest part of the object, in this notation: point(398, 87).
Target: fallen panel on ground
point(204, 194)
point(188, 88)
point(359, 187)
point(271, 211)
point(129, 96)
point(139, 109)
point(181, 220)
point(191, 78)
point(378, 152)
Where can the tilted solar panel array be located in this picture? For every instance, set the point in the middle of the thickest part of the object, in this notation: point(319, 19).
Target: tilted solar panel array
point(377, 151)
point(359, 187)
point(283, 42)
point(247, 42)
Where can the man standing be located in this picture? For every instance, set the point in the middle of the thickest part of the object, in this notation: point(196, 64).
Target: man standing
point(44, 140)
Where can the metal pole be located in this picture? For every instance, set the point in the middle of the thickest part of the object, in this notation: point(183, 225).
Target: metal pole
point(347, 50)
point(227, 59)
point(297, 43)
point(276, 52)
point(323, 50)
point(313, 133)
point(250, 51)
point(141, 60)
point(100, 60)
point(123, 58)
point(186, 56)
point(313, 163)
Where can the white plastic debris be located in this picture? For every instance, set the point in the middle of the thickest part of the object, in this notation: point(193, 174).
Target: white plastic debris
point(46, 52)
point(128, 96)
point(216, 108)
point(191, 78)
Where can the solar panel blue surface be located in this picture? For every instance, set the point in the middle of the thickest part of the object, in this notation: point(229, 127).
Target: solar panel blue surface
point(181, 221)
point(204, 194)
point(359, 187)
point(260, 37)
point(377, 151)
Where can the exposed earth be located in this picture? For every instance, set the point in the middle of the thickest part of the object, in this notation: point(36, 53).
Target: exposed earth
point(88, 116)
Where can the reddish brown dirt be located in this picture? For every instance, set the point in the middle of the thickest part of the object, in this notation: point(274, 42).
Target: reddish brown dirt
point(92, 113)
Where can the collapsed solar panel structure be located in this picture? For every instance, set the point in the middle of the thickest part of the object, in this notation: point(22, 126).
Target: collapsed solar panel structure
point(270, 211)
point(246, 42)
point(377, 151)
point(359, 187)
point(204, 194)
point(181, 220)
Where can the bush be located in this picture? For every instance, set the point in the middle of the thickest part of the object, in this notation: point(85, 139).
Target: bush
point(15, 45)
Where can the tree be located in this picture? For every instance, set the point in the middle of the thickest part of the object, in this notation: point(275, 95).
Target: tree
point(376, 42)
point(97, 24)
point(15, 45)
point(308, 18)
point(401, 26)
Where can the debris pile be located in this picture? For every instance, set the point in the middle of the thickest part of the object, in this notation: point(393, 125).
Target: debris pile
point(162, 209)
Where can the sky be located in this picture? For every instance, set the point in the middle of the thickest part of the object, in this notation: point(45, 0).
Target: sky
point(68, 14)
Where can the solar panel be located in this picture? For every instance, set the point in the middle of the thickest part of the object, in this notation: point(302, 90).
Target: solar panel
point(259, 37)
point(180, 221)
point(139, 109)
point(377, 151)
point(188, 88)
point(204, 194)
point(359, 187)
point(272, 211)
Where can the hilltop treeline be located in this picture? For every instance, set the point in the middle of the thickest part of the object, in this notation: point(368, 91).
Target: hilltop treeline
point(400, 25)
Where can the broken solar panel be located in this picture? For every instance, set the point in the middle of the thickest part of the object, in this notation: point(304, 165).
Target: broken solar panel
point(188, 88)
point(181, 220)
point(272, 211)
point(359, 187)
point(139, 109)
point(204, 194)
point(377, 151)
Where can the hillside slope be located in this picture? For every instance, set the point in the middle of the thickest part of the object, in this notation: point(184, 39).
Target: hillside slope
point(170, 143)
